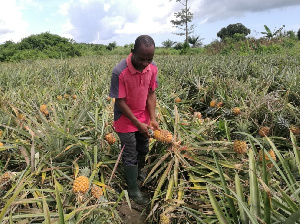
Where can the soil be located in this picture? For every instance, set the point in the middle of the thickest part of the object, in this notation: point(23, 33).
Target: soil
point(135, 215)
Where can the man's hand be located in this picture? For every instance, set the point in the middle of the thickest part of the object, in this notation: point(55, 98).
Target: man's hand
point(154, 125)
point(143, 129)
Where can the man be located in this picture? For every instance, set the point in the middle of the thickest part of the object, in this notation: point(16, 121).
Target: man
point(133, 85)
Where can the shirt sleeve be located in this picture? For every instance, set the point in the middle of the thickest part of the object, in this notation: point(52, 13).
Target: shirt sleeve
point(117, 86)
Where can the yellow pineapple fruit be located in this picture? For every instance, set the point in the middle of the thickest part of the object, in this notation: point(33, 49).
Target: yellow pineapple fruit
point(177, 100)
point(1, 133)
point(271, 152)
point(5, 183)
point(44, 110)
point(212, 103)
point(74, 96)
point(21, 117)
point(295, 130)
point(264, 131)
point(162, 136)
point(240, 147)
point(110, 138)
point(236, 110)
point(164, 219)
point(66, 96)
point(81, 184)
point(59, 97)
point(96, 191)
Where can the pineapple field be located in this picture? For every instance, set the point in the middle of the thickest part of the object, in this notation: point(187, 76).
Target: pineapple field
point(228, 151)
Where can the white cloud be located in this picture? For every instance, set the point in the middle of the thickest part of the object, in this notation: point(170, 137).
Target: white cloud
point(12, 27)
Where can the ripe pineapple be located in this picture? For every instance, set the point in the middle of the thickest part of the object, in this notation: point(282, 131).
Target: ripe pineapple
point(177, 100)
point(240, 147)
point(212, 103)
point(96, 191)
point(271, 152)
point(162, 136)
point(264, 131)
point(5, 183)
point(43, 109)
point(110, 138)
point(220, 104)
point(81, 184)
point(59, 97)
point(74, 96)
point(295, 130)
point(66, 96)
point(198, 115)
point(164, 219)
point(236, 110)
point(1, 133)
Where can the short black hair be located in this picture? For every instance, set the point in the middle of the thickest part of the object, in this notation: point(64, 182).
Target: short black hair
point(143, 39)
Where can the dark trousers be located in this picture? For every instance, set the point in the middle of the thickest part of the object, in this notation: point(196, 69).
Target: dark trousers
point(136, 147)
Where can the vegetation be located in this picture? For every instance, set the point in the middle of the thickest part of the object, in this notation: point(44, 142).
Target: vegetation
point(233, 29)
point(232, 111)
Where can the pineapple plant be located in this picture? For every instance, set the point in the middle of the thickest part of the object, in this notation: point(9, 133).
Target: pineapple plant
point(271, 152)
point(240, 147)
point(162, 136)
point(5, 183)
point(81, 183)
point(96, 191)
point(264, 131)
point(110, 138)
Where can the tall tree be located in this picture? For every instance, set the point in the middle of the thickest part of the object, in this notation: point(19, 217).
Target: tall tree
point(232, 29)
point(183, 18)
point(168, 43)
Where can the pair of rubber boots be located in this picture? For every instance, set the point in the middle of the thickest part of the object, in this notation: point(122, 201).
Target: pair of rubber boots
point(132, 175)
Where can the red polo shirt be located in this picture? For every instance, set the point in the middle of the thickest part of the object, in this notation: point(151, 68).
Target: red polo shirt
point(134, 86)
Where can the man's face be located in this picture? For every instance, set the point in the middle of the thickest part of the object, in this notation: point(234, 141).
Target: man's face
point(142, 57)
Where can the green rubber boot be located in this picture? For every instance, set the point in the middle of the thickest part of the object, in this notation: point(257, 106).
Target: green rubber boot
point(141, 174)
point(131, 173)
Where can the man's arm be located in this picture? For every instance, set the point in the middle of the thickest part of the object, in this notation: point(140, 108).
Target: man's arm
point(122, 105)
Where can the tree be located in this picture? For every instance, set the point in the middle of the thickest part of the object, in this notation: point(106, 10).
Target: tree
point(232, 29)
point(195, 41)
point(298, 34)
point(183, 18)
point(269, 34)
point(111, 46)
point(168, 43)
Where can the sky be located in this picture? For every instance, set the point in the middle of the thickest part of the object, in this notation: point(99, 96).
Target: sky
point(106, 21)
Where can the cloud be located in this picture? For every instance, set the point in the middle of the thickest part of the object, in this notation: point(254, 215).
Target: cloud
point(12, 27)
point(223, 9)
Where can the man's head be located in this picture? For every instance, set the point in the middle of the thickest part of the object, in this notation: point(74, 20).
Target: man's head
point(143, 52)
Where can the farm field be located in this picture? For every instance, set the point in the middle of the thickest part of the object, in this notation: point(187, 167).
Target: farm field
point(234, 155)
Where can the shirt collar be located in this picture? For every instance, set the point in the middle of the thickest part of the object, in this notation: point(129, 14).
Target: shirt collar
point(132, 69)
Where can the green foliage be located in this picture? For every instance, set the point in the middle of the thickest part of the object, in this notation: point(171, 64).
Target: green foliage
point(168, 43)
point(195, 41)
point(269, 34)
point(232, 29)
point(298, 34)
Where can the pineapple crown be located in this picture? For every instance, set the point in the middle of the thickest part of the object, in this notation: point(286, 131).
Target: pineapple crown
point(85, 171)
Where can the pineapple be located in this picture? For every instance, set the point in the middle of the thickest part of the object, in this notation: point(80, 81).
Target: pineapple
point(295, 130)
point(212, 103)
point(236, 110)
point(96, 191)
point(177, 100)
point(43, 109)
point(264, 131)
point(240, 147)
point(5, 183)
point(81, 183)
point(110, 138)
point(21, 117)
point(162, 136)
point(66, 96)
point(1, 133)
point(198, 115)
point(164, 219)
point(74, 97)
point(272, 154)
point(59, 97)
point(220, 104)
